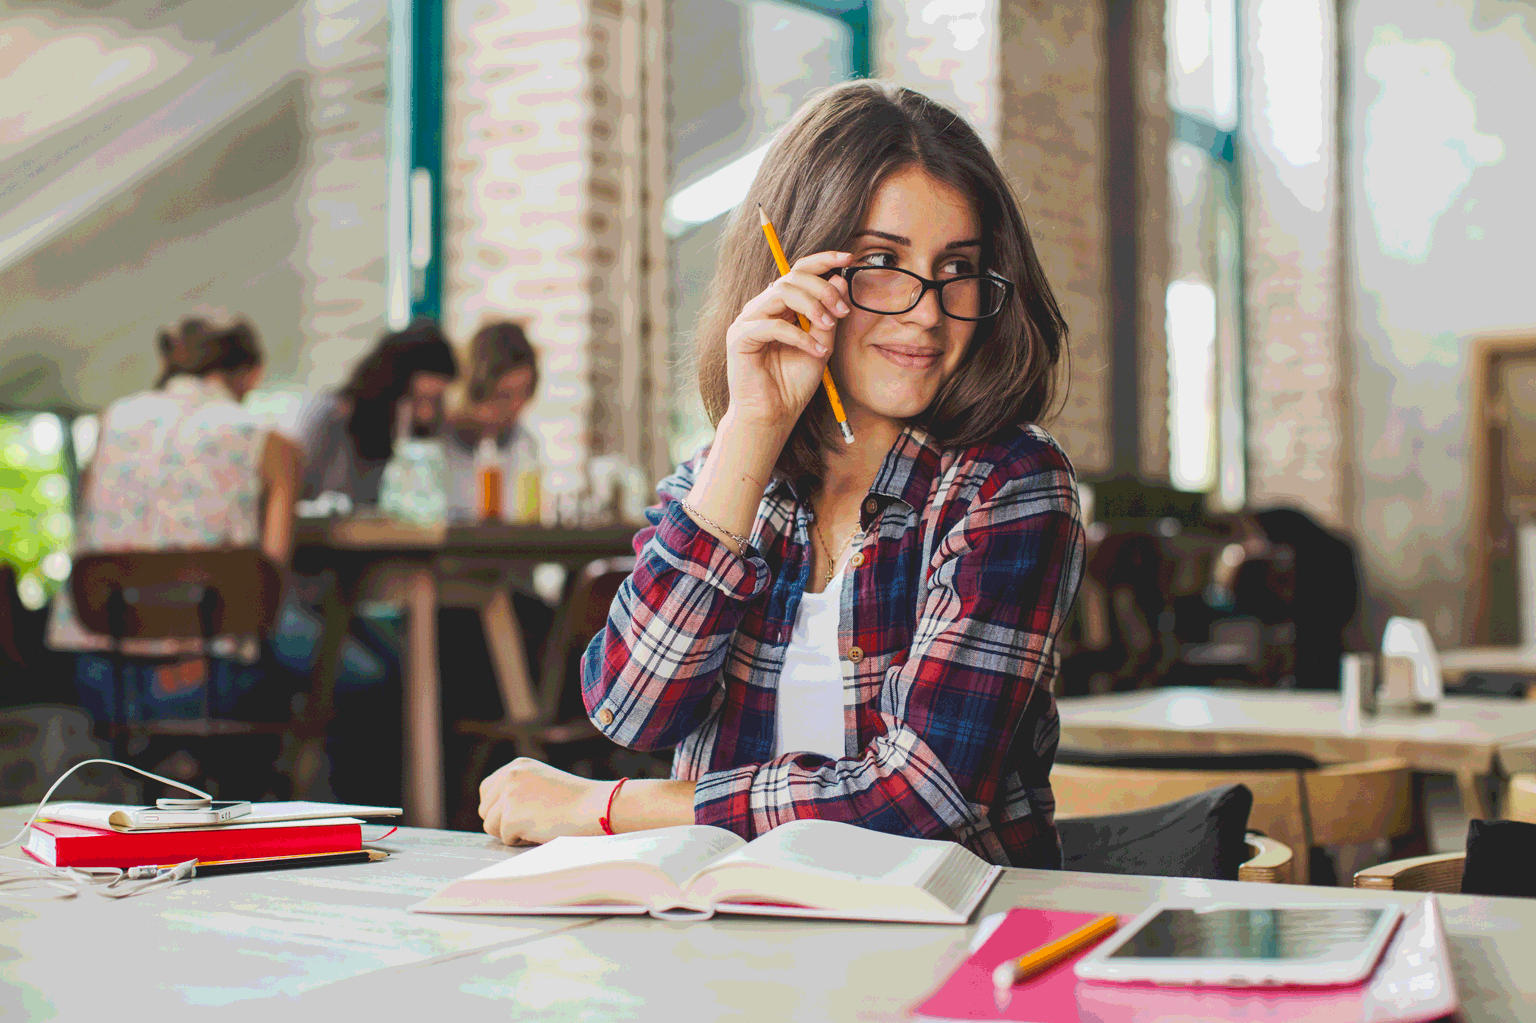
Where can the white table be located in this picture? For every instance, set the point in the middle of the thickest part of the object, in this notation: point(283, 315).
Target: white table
point(335, 943)
point(1463, 736)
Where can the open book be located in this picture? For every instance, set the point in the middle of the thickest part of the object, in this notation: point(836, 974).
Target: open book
point(807, 868)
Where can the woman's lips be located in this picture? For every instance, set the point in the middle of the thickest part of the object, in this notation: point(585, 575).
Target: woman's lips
point(909, 356)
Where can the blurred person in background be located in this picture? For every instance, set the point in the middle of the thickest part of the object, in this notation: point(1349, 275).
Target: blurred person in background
point(347, 435)
point(182, 466)
point(503, 376)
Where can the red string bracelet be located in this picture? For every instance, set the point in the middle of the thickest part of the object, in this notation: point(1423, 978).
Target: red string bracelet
point(606, 820)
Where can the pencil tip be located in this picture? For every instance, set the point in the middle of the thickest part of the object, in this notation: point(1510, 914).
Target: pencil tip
point(761, 215)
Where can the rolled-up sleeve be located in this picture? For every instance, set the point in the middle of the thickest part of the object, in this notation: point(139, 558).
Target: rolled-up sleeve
point(970, 704)
point(645, 677)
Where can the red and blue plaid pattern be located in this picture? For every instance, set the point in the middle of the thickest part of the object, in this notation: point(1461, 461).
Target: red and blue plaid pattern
point(948, 629)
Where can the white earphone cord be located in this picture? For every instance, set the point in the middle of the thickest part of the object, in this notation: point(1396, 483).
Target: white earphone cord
point(69, 880)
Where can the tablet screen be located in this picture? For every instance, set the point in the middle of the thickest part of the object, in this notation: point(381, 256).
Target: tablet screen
point(1259, 934)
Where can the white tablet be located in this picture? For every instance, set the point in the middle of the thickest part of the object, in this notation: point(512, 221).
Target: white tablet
point(1240, 946)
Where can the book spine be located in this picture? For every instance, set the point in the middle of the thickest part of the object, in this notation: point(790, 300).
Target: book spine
point(40, 845)
point(110, 849)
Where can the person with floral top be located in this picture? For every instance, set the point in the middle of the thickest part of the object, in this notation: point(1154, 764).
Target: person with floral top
point(182, 466)
point(862, 632)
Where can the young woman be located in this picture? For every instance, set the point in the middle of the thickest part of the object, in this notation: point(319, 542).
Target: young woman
point(348, 435)
point(182, 466)
point(857, 632)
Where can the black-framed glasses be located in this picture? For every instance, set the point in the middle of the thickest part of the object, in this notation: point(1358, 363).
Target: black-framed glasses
point(890, 291)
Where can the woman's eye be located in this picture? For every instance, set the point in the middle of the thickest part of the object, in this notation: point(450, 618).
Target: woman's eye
point(957, 268)
point(876, 259)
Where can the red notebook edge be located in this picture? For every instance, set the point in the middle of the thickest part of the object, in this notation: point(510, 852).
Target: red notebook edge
point(75, 845)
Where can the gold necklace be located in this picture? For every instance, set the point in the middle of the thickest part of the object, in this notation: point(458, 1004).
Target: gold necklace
point(831, 560)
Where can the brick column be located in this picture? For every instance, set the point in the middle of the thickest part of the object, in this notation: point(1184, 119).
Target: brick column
point(1051, 146)
point(1149, 56)
point(552, 220)
point(517, 150)
point(1297, 447)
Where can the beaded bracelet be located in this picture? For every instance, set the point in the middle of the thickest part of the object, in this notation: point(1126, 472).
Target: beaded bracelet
point(741, 540)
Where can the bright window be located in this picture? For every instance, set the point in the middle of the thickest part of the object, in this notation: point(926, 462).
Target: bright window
point(1207, 442)
point(36, 526)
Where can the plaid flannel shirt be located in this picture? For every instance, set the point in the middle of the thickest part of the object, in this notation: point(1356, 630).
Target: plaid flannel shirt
point(968, 564)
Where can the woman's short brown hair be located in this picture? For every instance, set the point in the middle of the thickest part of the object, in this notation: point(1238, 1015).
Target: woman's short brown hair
point(496, 350)
point(816, 182)
point(198, 346)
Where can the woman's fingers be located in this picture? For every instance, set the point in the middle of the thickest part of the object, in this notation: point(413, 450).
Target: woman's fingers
point(759, 333)
point(791, 295)
point(818, 263)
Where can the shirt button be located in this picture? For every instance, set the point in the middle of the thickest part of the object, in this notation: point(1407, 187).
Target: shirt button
point(605, 717)
point(871, 506)
point(857, 559)
point(855, 654)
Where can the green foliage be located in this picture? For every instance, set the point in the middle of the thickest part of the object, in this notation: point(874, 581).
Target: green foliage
point(35, 522)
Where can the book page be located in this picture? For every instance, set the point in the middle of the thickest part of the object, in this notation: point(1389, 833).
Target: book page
point(834, 869)
point(844, 851)
point(673, 852)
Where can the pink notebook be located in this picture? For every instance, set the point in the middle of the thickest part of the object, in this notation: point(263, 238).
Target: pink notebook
point(1412, 984)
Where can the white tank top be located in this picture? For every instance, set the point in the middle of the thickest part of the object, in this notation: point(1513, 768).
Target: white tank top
point(809, 715)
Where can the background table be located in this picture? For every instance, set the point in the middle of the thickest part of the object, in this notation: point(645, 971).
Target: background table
point(334, 943)
point(1462, 737)
point(1519, 757)
point(381, 558)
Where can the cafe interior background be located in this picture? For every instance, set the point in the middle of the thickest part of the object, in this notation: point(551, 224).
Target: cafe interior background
point(1291, 239)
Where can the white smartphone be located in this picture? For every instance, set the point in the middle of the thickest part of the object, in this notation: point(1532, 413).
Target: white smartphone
point(1243, 946)
point(167, 814)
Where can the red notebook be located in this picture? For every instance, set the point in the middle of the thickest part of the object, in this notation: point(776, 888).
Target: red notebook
point(1411, 984)
point(73, 845)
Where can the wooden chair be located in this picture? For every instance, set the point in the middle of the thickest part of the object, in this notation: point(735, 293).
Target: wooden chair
point(1269, 860)
point(1343, 804)
point(1437, 873)
point(1497, 861)
point(582, 615)
point(148, 595)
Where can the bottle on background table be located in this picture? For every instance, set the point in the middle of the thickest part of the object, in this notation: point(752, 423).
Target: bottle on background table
point(488, 473)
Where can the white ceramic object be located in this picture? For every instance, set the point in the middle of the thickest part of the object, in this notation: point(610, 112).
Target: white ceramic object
point(1407, 637)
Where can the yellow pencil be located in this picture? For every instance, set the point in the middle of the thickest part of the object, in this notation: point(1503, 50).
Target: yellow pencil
point(1015, 971)
point(805, 325)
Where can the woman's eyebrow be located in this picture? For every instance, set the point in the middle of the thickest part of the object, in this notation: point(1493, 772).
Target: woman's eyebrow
point(969, 243)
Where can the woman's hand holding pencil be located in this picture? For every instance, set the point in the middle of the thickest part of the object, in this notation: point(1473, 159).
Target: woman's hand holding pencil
point(778, 347)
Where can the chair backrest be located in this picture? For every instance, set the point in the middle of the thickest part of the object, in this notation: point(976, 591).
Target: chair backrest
point(1360, 802)
point(1277, 810)
point(1335, 805)
point(177, 594)
point(1200, 835)
point(582, 616)
point(1440, 872)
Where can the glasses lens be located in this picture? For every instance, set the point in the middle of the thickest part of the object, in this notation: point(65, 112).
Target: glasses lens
point(973, 298)
point(884, 291)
